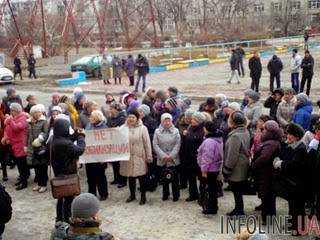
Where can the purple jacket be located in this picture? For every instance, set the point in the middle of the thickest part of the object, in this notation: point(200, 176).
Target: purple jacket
point(210, 155)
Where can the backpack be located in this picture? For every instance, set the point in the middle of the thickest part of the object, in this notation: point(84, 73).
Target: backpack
point(5, 206)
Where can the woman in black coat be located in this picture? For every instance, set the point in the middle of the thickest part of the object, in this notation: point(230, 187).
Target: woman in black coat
point(193, 140)
point(293, 165)
point(263, 169)
point(64, 155)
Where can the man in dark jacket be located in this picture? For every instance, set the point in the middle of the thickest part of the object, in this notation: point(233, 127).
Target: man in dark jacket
point(64, 155)
point(17, 67)
point(240, 53)
point(32, 66)
point(234, 65)
point(143, 69)
point(11, 97)
point(5, 209)
point(255, 71)
point(273, 101)
point(307, 71)
point(275, 66)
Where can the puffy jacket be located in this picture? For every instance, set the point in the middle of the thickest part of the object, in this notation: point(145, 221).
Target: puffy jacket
point(118, 120)
point(275, 65)
point(307, 66)
point(210, 155)
point(6, 101)
point(285, 111)
point(255, 67)
point(273, 105)
point(302, 115)
point(64, 152)
point(234, 61)
point(16, 132)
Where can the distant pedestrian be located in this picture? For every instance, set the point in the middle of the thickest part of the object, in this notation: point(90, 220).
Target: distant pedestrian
point(255, 71)
point(275, 67)
point(32, 66)
point(295, 69)
point(17, 67)
point(307, 71)
point(143, 69)
point(117, 69)
point(234, 65)
point(105, 68)
point(130, 69)
point(241, 54)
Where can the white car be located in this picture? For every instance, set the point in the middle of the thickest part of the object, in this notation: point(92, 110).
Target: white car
point(6, 75)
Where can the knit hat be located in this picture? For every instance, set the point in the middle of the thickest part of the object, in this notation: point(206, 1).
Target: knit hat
point(234, 106)
point(56, 109)
point(10, 91)
point(199, 117)
point(302, 98)
point(134, 112)
point(238, 118)
point(271, 126)
point(255, 96)
point(85, 206)
point(189, 113)
point(16, 107)
point(172, 102)
point(278, 91)
point(295, 130)
point(166, 116)
point(145, 109)
point(77, 91)
point(37, 108)
point(248, 92)
point(173, 90)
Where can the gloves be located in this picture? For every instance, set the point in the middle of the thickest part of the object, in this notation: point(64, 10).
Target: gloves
point(277, 163)
point(36, 143)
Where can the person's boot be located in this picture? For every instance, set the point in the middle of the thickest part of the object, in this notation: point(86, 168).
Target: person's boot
point(22, 186)
point(143, 199)
point(131, 198)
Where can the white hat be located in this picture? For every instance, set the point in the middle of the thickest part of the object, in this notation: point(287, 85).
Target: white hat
point(56, 109)
point(37, 108)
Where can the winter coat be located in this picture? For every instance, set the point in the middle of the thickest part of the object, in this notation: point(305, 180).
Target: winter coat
point(143, 66)
point(314, 165)
point(151, 125)
point(140, 152)
point(118, 120)
point(273, 105)
point(31, 63)
point(192, 142)
point(262, 162)
point(307, 66)
point(84, 119)
point(285, 111)
point(17, 65)
point(84, 230)
point(210, 155)
point(294, 166)
point(64, 152)
point(149, 102)
point(175, 113)
point(1, 123)
point(100, 125)
point(255, 67)
point(302, 115)
point(130, 67)
point(236, 155)
point(117, 67)
point(256, 141)
point(234, 61)
point(38, 129)
point(166, 142)
point(16, 132)
point(240, 52)
point(106, 69)
point(275, 66)
point(6, 101)
point(296, 63)
point(253, 112)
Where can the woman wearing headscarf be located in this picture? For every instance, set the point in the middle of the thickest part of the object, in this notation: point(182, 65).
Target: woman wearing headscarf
point(96, 176)
point(236, 159)
point(166, 144)
point(38, 131)
point(193, 139)
point(254, 109)
point(140, 155)
point(262, 166)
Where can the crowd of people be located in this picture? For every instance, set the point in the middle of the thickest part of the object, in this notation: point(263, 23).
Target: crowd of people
point(274, 66)
point(173, 145)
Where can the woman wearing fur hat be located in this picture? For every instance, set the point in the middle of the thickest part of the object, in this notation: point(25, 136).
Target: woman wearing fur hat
point(36, 139)
point(140, 155)
point(96, 176)
point(292, 165)
point(166, 144)
point(262, 166)
point(236, 159)
point(193, 139)
point(303, 111)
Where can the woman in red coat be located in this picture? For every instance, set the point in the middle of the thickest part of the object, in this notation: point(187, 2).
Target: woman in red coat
point(2, 148)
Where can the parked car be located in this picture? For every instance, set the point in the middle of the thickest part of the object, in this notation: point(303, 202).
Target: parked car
point(6, 75)
point(91, 65)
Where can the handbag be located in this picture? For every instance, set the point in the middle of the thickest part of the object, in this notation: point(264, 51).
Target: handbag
point(284, 187)
point(167, 175)
point(64, 185)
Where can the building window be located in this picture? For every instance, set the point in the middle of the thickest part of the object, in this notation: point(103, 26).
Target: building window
point(276, 6)
point(315, 18)
point(296, 5)
point(314, 4)
point(259, 7)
